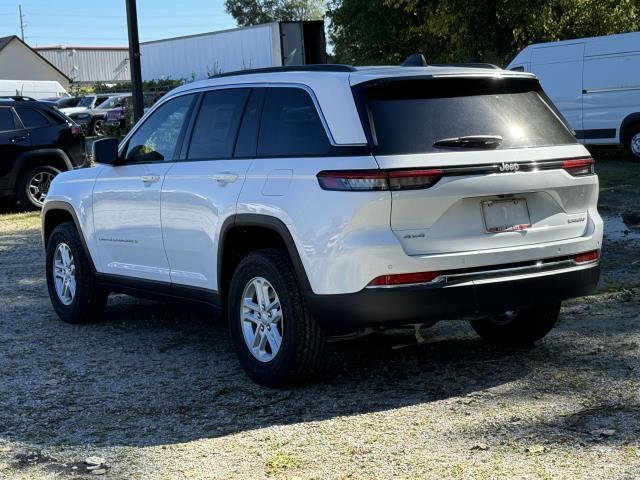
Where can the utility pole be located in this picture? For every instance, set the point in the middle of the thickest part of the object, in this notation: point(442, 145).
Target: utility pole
point(134, 60)
point(21, 22)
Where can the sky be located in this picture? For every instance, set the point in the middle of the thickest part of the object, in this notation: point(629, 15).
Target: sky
point(103, 22)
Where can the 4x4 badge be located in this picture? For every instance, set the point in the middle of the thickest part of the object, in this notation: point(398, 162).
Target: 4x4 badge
point(508, 167)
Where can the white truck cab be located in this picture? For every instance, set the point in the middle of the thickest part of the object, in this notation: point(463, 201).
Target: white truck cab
point(595, 83)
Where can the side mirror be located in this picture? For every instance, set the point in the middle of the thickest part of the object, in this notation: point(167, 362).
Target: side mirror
point(105, 151)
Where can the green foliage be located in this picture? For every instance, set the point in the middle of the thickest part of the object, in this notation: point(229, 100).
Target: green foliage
point(255, 12)
point(385, 31)
point(151, 85)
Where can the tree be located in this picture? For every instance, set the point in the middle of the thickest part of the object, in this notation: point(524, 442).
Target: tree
point(254, 12)
point(385, 31)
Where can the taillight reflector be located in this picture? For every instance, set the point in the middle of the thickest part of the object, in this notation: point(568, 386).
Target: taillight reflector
point(579, 166)
point(587, 257)
point(403, 279)
point(367, 180)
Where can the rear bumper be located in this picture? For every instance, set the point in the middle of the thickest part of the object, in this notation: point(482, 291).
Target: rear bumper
point(416, 304)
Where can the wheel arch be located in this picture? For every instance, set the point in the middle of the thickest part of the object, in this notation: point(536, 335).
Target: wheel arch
point(39, 157)
point(628, 122)
point(56, 212)
point(238, 237)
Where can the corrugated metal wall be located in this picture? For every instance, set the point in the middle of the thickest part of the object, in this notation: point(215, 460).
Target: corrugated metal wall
point(85, 65)
point(198, 56)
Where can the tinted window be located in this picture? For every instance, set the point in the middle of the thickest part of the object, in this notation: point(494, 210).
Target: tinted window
point(247, 141)
point(290, 125)
point(216, 127)
point(31, 118)
point(157, 137)
point(6, 120)
point(410, 116)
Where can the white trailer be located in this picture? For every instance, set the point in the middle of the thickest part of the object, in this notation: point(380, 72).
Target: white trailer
point(196, 57)
point(595, 83)
point(32, 88)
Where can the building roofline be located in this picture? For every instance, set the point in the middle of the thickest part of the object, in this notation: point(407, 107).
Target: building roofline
point(79, 47)
point(215, 32)
point(15, 37)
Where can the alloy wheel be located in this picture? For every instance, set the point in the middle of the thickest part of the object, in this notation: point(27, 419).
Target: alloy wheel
point(64, 274)
point(635, 144)
point(38, 186)
point(261, 319)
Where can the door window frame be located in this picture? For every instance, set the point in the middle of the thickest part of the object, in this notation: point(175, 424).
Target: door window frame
point(124, 145)
point(17, 122)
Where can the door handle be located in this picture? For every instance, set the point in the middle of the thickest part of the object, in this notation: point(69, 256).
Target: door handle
point(18, 139)
point(225, 177)
point(149, 179)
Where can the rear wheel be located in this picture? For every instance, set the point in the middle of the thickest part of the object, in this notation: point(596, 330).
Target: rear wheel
point(632, 143)
point(277, 340)
point(33, 186)
point(97, 128)
point(72, 287)
point(518, 327)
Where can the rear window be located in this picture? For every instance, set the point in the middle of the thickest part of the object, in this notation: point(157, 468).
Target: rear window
point(410, 116)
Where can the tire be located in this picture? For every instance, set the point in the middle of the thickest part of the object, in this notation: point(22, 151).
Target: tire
point(87, 303)
point(302, 340)
point(632, 143)
point(97, 128)
point(520, 327)
point(33, 186)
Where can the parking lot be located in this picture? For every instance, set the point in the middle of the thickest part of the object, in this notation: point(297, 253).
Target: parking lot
point(156, 391)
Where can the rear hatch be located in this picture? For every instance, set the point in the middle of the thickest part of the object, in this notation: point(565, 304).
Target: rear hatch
point(476, 163)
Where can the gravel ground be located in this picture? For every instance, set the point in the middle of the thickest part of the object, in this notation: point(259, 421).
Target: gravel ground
point(154, 391)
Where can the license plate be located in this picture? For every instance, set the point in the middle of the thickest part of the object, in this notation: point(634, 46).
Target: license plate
point(506, 215)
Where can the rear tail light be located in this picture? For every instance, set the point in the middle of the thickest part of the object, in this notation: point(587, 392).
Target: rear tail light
point(403, 279)
point(367, 180)
point(75, 131)
point(579, 167)
point(587, 257)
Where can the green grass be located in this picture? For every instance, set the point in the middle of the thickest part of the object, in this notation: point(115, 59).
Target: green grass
point(19, 222)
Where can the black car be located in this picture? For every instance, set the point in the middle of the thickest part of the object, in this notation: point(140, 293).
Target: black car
point(37, 142)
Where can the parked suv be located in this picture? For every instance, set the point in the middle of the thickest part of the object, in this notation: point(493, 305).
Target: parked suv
point(310, 201)
point(36, 143)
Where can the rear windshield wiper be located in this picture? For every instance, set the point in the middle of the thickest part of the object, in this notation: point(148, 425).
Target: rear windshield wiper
point(470, 141)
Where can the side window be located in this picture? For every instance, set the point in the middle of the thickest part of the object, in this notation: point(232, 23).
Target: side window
point(31, 118)
point(6, 120)
point(216, 127)
point(157, 137)
point(247, 141)
point(290, 125)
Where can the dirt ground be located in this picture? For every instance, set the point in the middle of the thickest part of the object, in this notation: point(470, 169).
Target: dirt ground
point(155, 391)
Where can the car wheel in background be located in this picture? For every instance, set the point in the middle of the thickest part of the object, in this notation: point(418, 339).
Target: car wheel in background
point(97, 128)
point(33, 186)
point(277, 340)
point(518, 327)
point(72, 287)
point(632, 143)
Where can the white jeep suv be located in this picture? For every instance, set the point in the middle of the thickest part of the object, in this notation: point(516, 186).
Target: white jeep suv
point(310, 201)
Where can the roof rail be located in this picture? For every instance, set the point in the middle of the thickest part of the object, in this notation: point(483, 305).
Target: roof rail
point(320, 67)
point(468, 65)
point(17, 98)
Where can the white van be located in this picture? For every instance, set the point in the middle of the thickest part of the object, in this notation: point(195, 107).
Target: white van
point(37, 89)
point(595, 83)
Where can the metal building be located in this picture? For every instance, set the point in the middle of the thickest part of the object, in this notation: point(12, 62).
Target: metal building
point(89, 65)
point(196, 57)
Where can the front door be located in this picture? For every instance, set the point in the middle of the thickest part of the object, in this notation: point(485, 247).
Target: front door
point(14, 140)
point(126, 197)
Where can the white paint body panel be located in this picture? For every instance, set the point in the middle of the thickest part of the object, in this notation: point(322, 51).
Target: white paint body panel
point(594, 82)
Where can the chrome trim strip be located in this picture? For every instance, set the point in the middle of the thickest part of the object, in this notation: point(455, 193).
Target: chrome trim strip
point(499, 275)
point(615, 89)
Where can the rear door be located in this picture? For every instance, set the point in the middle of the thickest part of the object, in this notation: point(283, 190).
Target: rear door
point(503, 186)
point(201, 190)
point(14, 139)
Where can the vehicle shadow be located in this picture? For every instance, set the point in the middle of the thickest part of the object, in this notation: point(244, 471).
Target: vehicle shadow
point(154, 374)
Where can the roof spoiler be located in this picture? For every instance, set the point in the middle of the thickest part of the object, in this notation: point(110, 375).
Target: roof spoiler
point(414, 60)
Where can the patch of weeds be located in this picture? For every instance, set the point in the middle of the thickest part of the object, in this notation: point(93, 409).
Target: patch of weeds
point(456, 470)
point(280, 462)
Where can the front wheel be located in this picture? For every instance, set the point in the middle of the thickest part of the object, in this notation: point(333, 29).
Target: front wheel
point(72, 287)
point(277, 340)
point(518, 327)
